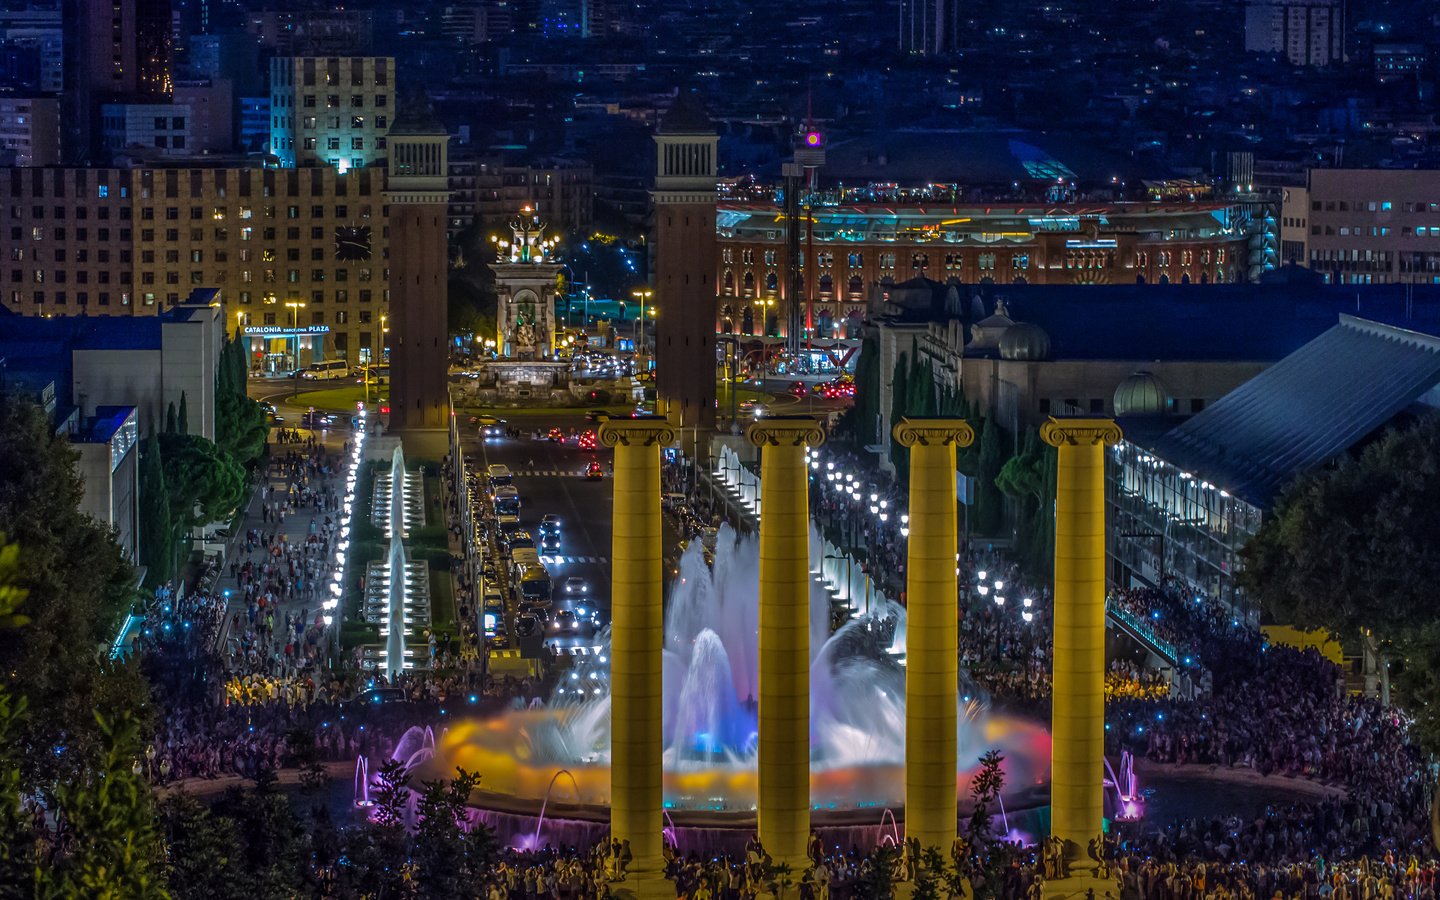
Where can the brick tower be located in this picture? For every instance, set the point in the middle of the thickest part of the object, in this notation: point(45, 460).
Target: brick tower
point(684, 197)
point(417, 196)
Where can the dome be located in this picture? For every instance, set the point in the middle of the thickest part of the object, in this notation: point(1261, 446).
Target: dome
point(1024, 341)
point(1142, 394)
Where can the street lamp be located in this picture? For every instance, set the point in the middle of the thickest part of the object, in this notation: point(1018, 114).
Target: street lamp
point(295, 307)
point(642, 295)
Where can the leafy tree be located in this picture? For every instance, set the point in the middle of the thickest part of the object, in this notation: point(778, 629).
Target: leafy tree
point(987, 856)
point(17, 832)
point(204, 851)
point(157, 531)
point(1355, 550)
point(449, 856)
point(204, 482)
point(1027, 479)
point(876, 880)
point(79, 587)
point(377, 854)
point(107, 845)
point(472, 307)
point(274, 850)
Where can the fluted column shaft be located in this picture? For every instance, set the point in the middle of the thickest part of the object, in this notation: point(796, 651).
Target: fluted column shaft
point(784, 765)
point(637, 641)
point(1078, 697)
point(932, 666)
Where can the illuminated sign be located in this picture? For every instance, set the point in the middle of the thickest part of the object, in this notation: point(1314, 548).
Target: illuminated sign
point(279, 330)
point(1098, 244)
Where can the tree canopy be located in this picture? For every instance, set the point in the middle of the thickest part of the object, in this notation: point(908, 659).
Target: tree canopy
point(1357, 548)
point(78, 585)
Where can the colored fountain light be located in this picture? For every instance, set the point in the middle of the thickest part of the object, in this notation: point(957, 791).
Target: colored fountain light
point(710, 685)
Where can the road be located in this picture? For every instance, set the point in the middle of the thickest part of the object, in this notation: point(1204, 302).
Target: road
point(550, 479)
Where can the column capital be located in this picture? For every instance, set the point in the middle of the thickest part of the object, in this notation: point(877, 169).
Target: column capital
point(779, 431)
point(645, 431)
point(913, 431)
point(1065, 431)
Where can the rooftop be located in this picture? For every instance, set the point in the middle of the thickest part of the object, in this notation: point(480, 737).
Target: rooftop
point(1305, 410)
point(1184, 322)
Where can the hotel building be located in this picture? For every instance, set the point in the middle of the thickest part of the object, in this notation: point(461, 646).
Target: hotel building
point(300, 255)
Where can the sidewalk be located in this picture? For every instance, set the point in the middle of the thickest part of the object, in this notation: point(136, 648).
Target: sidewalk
point(295, 529)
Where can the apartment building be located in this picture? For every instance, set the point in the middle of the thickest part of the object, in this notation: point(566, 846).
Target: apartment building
point(1365, 226)
point(330, 111)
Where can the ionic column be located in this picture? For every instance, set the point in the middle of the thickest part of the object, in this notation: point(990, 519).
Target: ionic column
point(637, 639)
point(932, 666)
point(1078, 697)
point(784, 785)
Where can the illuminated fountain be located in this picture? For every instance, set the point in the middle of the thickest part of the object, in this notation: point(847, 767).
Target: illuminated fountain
point(710, 681)
point(1129, 802)
point(397, 591)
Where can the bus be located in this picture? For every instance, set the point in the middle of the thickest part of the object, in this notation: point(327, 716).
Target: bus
point(335, 368)
point(499, 476)
point(534, 584)
point(523, 558)
point(507, 505)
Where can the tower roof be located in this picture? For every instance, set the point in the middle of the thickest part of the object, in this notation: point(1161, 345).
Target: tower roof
point(687, 115)
point(416, 115)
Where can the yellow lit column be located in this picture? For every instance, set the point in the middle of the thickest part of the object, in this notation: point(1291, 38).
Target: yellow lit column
point(1078, 699)
point(637, 639)
point(932, 667)
point(784, 785)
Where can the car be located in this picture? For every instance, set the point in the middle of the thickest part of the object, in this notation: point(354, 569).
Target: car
point(555, 435)
point(593, 472)
point(491, 427)
point(550, 543)
point(540, 611)
point(550, 524)
point(596, 415)
point(520, 540)
point(377, 697)
point(798, 389)
point(576, 587)
point(565, 621)
point(588, 440)
point(267, 407)
point(527, 625)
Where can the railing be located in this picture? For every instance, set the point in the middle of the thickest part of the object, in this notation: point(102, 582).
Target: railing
point(1142, 631)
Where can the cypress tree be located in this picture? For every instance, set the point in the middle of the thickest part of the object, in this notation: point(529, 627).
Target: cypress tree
point(183, 420)
point(899, 393)
point(156, 534)
point(988, 497)
point(170, 420)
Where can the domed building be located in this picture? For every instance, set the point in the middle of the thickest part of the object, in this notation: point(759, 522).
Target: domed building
point(985, 334)
point(1025, 341)
point(1142, 394)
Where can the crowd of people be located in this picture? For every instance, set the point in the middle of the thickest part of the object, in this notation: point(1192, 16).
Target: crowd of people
point(238, 678)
